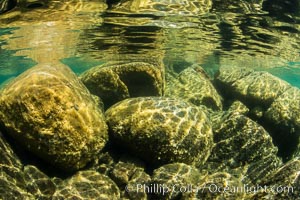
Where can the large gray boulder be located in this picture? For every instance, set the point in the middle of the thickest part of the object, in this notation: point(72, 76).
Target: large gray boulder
point(193, 85)
point(114, 82)
point(161, 130)
point(52, 114)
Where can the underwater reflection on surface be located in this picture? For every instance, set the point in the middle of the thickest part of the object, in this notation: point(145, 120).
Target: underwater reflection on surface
point(257, 34)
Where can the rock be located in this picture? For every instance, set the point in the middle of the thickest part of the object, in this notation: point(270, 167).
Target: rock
point(130, 176)
point(11, 175)
point(258, 170)
point(283, 118)
point(219, 185)
point(50, 112)
point(7, 156)
point(253, 88)
point(87, 185)
point(138, 180)
point(172, 130)
point(9, 190)
point(284, 183)
point(238, 106)
point(193, 85)
point(113, 83)
point(181, 181)
point(38, 183)
point(240, 142)
point(172, 180)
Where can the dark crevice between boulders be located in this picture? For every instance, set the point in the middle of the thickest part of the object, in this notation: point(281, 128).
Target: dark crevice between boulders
point(139, 83)
point(28, 158)
point(7, 5)
point(285, 140)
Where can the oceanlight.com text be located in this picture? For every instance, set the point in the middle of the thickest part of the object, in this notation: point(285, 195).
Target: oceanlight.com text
point(164, 189)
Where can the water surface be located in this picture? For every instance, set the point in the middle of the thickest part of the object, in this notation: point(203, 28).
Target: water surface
point(263, 35)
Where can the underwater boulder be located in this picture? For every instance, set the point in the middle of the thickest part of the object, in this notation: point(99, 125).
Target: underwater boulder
point(161, 130)
point(115, 82)
point(8, 158)
point(239, 107)
point(168, 179)
point(253, 88)
point(87, 184)
point(52, 114)
point(283, 183)
point(181, 181)
point(283, 117)
point(193, 85)
point(128, 174)
point(12, 180)
point(239, 142)
point(38, 183)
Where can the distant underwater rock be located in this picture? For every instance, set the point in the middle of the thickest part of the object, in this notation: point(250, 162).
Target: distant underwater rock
point(193, 85)
point(51, 113)
point(161, 130)
point(251, 87)
point(115, 82)
point(87, 184)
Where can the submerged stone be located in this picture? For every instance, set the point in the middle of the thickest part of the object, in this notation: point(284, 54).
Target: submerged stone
point(168, 180)
point(283, 183)
point(193, 85)
point(38, 183)
point(181, 181)
point(239, 142)
point(283, 118)
point(253, 88)
point(113, 83)
point(161, 130)
point(51, 113)
point(87, 185)
point(130, 176)
point(7, 156)
point(238, 106)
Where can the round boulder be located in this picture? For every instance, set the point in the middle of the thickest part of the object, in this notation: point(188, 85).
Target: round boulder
point(51, 113)
point(161, 130)
point(114, 82)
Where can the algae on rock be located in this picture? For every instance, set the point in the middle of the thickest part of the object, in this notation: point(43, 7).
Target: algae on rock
point(161, 130)
point(52, 114)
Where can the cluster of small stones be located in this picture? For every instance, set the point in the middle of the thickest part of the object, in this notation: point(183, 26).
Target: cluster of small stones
point(184, 145)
